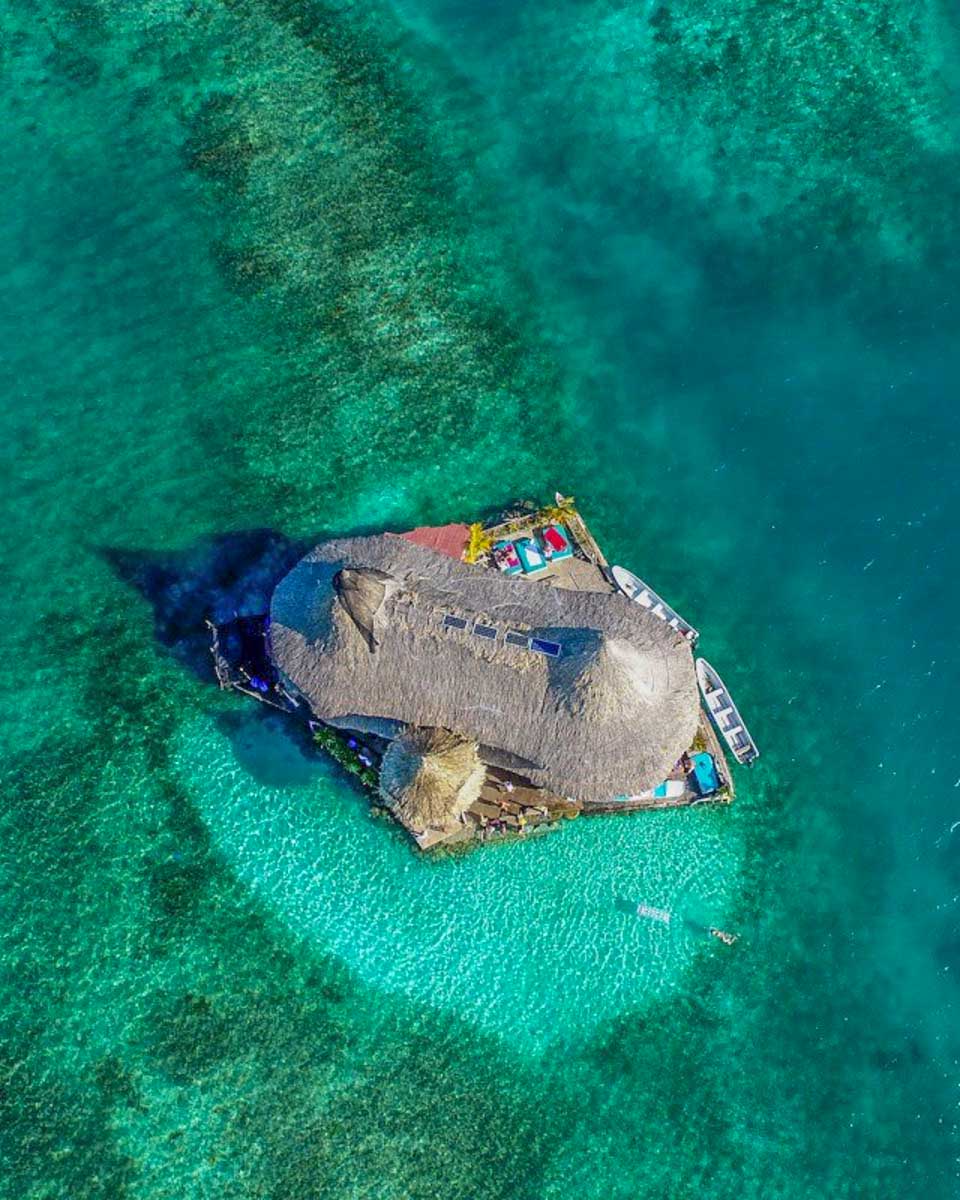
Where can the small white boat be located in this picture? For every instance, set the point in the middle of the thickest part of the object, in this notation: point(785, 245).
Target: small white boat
point(725, 714)
point(637, 591)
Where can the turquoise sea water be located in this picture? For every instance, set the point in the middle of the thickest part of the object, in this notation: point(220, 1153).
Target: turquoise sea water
point(276, 269)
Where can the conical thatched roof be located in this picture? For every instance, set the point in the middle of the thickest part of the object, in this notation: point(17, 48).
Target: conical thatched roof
point(611, 715)
point(430, 776)
point(362, 591)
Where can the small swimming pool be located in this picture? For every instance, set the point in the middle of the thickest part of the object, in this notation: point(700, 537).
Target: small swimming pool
point(705, 771)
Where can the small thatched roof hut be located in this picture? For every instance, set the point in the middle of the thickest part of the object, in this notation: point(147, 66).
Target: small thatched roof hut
point(380, 634)
point(430, 777)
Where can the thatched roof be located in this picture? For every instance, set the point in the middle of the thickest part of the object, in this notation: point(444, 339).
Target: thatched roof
point(611, 715)
point(362, 592)
point(430, 777)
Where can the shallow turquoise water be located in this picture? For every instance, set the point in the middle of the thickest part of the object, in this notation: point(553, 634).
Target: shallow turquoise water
point(506, 940)
point(280, 266)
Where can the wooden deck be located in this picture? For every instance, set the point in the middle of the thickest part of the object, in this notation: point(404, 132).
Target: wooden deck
point(587, 543)
point(713, 746)
point(575, 574)
point(249, 660)
point(586, 571)
point(507, 807)
point(690, 796)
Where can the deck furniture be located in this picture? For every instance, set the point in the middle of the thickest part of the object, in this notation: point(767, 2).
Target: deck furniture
point(530, 556)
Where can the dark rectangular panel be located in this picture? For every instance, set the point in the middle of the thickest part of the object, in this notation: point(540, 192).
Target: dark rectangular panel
point(516, 639)
point(486, 631)
point(454, 622)
point(542, 647)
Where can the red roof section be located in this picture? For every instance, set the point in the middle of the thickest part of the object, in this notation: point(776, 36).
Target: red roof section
point(445, 539)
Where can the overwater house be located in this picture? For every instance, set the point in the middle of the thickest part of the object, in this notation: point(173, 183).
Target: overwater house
point(491, 701)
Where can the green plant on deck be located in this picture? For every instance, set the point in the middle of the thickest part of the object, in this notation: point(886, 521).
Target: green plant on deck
point(348, 758)
point(482, 539)
point(557, 512)
point(507, 527)
point(480, 542)
point(542, 516)
point(565, 506)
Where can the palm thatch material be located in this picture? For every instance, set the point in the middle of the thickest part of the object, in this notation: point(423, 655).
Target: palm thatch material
point(357, 627)
point(362, 593)
point(430, 777)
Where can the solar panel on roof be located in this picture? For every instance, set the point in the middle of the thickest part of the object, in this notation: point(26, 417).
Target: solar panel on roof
point(542, 647)
point(486, 631)
point(454, 622)
point(516, 639)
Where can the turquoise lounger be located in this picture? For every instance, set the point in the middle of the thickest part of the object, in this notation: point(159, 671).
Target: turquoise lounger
point(530, 555)
point(507, 559)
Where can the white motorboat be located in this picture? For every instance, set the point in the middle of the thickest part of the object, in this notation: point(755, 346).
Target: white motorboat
point(640, 593)
point(726, 715)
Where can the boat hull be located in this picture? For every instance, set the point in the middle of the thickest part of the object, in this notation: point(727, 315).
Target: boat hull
point(641, 593)
point(725, 715)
